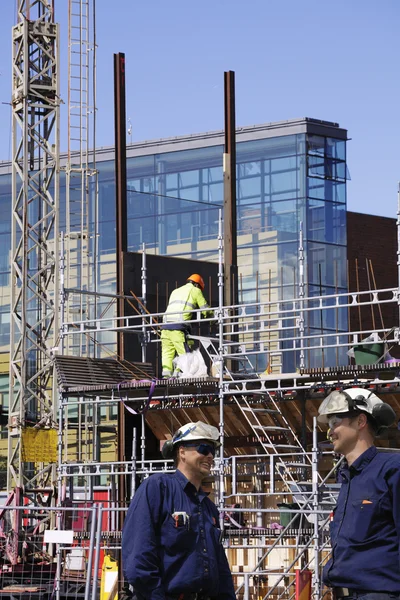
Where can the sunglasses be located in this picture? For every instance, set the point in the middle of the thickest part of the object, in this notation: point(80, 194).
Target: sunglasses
point(204, 449)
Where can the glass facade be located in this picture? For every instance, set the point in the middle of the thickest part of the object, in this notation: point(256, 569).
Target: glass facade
point(174, 196)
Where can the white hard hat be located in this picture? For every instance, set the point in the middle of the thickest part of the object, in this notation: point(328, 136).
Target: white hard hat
point(356, 399)
point(197, 431)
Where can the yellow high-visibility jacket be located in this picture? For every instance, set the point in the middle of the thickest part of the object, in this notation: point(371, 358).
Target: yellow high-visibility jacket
point(182, 302)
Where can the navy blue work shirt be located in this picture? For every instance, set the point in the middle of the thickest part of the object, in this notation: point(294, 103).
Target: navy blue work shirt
point(161, 559)
point(365, 530)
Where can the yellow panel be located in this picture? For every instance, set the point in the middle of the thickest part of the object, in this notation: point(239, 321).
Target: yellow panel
point(39, 445)
point(4, 362)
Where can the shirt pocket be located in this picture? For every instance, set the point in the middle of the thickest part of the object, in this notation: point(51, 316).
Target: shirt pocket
point(181, 539)
point(363, 522)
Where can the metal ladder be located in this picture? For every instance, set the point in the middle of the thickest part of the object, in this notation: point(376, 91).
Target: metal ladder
point(267, 421)
point(265, 409)
point(258, 407)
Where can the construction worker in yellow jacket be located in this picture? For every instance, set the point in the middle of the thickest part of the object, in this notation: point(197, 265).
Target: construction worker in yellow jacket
point(182, 303)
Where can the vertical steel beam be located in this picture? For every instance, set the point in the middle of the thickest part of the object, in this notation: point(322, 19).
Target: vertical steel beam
point(221, 488)
point(34, 241)
point(315, 504)
point(303, 410)
point(229, 166)
point(121, 228)
point(120, 181)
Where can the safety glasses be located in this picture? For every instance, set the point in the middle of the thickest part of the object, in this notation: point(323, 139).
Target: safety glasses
point(334, 420)
point(204, 449)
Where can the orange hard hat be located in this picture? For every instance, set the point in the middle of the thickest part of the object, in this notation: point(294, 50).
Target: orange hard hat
point(197, 279)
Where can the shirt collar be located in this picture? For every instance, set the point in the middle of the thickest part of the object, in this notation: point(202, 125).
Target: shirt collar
point(188, 486)
point(364, 459)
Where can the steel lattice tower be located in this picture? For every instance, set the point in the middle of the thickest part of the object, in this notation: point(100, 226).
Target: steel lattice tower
point(34, 238)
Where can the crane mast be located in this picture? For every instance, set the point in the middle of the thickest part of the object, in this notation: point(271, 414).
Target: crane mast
point(35, 232)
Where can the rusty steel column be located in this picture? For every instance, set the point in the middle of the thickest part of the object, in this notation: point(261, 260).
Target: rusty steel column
point(229, 167)
point(122, 233)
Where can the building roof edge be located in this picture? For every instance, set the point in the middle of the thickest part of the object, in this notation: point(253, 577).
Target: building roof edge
point(214, 138)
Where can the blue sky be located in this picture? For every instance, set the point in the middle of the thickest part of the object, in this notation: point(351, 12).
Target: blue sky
point(335, 60)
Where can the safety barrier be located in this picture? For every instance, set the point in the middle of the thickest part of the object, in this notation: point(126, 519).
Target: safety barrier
point(55, 553)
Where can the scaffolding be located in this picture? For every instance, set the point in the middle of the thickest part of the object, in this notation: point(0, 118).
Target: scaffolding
point(274, 487)
point(274, 478)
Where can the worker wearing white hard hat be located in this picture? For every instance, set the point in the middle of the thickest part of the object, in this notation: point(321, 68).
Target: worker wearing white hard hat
point(365, 528)
point(356, 399)
point(172, 542)
point(192, 432)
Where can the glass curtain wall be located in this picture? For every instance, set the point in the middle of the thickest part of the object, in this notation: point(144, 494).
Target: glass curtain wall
point(173, 203)
point(326, 240)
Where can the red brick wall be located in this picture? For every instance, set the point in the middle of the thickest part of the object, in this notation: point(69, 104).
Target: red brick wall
point(372, 247)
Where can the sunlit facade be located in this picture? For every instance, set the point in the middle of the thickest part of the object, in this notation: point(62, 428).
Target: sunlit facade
point(287, 173)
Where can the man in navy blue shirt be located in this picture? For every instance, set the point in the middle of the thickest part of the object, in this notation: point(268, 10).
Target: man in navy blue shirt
point(365, 527)
point(171, 541)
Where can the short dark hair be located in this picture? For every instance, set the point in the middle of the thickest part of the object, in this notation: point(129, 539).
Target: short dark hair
point(372, 426)
point(175, 455)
